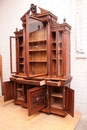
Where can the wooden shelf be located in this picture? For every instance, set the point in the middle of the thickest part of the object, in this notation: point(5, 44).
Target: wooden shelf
point(37, 50)
point(58, 105)
point(21, 45)
point(37, 61)
point(53, 58)
point(41, 40)
point(59, 49)
point(54, 42)
point(60, 95)
point(19, 102)
point(21, 63)
point(53, 49)
point(19, 89)
point(59, 58)
point(21, 57)
point(59, 41)
point(20, 98)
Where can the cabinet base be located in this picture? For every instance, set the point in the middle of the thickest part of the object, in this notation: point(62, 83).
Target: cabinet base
point(61, 112)
point(21, 103)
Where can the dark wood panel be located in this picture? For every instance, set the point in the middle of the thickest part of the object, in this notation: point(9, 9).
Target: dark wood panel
point(69, 105)
point(8, 90)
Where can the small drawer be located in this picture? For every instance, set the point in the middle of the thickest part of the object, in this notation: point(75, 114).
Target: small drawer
point(53, 83)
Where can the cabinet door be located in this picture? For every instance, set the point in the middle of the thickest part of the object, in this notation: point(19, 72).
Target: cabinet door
point(13, 54)
point(36, 99)
point(69, 101)
point(36, 47)
point(8, 90)
point(56, 53)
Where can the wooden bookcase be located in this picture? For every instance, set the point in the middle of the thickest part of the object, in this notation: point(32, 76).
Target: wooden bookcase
point(40, 65)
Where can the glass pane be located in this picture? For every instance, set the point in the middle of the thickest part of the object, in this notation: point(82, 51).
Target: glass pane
point(37, 30)
point(60, 60)
point(13, 52)
point(37, 47)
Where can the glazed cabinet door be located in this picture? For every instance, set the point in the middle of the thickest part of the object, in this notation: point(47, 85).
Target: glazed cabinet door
point(8, 90)
point(17, 53)
point(36, 47)
point(36, 99)
point(69, 101)
point(13, 54)
point(56, 53)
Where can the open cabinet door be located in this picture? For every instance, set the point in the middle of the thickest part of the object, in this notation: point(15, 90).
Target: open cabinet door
point(13, 54)
point(36, 47)
point(8, 90)
point(36, 99)
point(69, 105)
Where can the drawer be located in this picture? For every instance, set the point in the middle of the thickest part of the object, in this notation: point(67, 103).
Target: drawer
point(31, 82)
point(53, 83)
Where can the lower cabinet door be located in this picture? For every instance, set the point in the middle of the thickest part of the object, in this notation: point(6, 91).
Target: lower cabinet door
point(36, 99)
point(8, 90)
point(69, 101)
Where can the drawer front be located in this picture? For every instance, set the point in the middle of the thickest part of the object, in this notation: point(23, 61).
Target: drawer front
point(52, 83)
point(31, 82)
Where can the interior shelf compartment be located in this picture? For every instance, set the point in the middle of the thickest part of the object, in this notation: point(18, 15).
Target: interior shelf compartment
point(21, 52)
point(55, 89)
point(54, 66)
point(53, 33)
point(38, 67)
point(21, 41)
point(37, 45)
point(38, 56)
point(20, 98)
point(57, 102)
point(20, 95)
point(57, 97)
point(54, 46)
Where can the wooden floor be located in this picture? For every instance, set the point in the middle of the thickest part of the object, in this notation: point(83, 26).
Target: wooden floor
point(14, 117)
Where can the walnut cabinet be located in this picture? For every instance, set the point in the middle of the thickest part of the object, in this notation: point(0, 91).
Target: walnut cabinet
point(40, 65)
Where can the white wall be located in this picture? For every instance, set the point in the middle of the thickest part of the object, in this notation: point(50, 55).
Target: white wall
point(75, 12)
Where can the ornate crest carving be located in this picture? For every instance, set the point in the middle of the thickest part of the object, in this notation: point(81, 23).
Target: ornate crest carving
point(33, 9)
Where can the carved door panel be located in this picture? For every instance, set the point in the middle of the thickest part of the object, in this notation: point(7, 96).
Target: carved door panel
point(8, 90)
point(36, 99)
point(69, 105)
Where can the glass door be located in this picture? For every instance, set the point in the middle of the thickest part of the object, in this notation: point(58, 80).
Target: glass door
point(60, 54)
point(13, 62)
point(56, 53)
point(36, 47)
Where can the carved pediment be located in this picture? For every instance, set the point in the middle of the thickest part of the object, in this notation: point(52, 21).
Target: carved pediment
point(33, 11)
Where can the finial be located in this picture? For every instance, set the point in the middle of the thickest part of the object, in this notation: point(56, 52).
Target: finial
point(16, 29)
point(64, 20)
point(33, 9)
